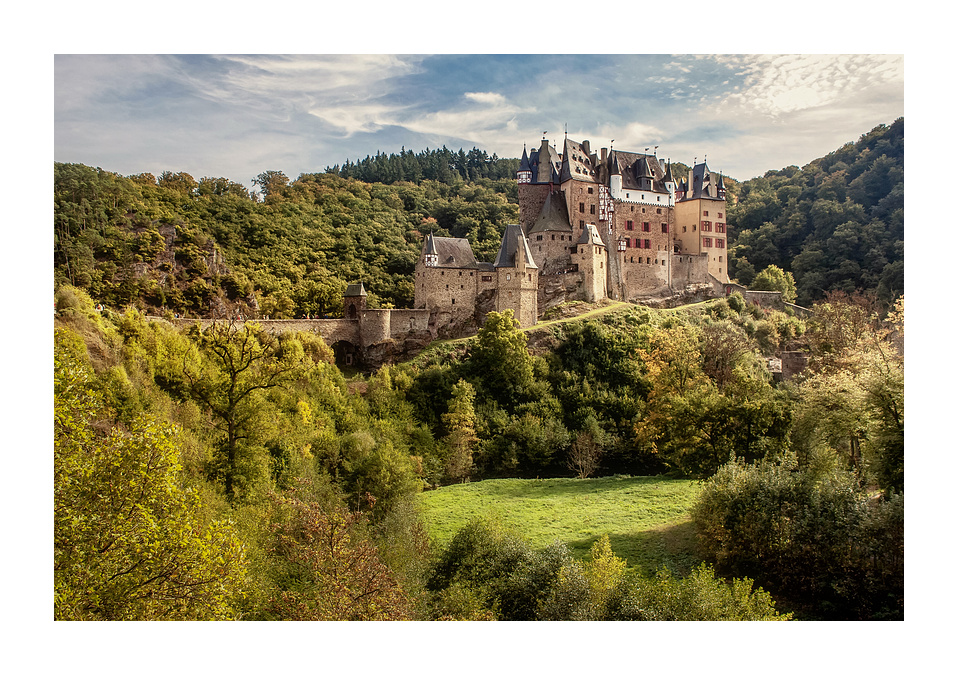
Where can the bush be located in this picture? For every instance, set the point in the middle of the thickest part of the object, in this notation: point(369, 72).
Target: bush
point(699, 597)
point(810, 536)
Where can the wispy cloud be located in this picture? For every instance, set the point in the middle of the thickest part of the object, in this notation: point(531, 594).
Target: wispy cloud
point(236, 115)
point(777, 85)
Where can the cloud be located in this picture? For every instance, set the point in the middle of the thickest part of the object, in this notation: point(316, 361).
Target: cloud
point(777, 85)
point(479, 116)
point(485, 97)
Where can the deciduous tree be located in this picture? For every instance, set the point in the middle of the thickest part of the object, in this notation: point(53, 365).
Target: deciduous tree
point(130, 542)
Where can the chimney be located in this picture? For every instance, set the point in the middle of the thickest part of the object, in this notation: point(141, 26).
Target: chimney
point(604, 154)
point(585, 148)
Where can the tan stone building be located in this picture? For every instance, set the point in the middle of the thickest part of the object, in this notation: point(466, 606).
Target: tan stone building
point(612, 224)
point(637, 207)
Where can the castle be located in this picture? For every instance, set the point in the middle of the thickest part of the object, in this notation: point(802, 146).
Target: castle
point(591, 226)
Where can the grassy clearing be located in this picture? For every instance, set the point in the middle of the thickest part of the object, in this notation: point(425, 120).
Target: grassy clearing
point(647, 519)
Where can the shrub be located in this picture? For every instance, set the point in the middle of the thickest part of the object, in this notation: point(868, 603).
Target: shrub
point(810, 536)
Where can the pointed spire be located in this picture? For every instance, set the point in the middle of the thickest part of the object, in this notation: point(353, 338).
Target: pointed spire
point(524, 162)
point(668, 172)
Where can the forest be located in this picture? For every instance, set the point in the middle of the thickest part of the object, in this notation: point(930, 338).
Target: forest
point(233, 474)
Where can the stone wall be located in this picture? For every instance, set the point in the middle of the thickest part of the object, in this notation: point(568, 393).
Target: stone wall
point(449, 289)
point(551, 250)
point(583, 206)
point(644, 272)
point(531, 199)
point(405, 321)
point(689, 269)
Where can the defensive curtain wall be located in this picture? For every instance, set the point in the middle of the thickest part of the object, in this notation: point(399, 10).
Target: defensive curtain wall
point(370, 339)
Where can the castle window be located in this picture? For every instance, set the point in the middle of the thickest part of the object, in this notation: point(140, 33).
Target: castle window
point(719, 243)
point(539, 238)
point(581, 207)
point(509, 278)
point(693, 228)
point(684, 228)
point(553, 237)
point(454, 301)
point(720, 258)
point(646, 227)
point(592, 208)
point(705, 213)
point(707, 242)
point(590, 191)
point(648, 244)
point(665, 228)
point(470, 274)
point(629, 225)
point(460, 273)
point(658, 210)
point(720, 214)
point(581, 224)
point(486, 277)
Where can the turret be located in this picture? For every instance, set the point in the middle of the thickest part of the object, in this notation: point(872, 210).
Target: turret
point(670, 182)
point(354, 300)
point(524, 175)
point(615, 177)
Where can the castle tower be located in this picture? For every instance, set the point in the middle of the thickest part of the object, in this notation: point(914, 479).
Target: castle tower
point(591, 258)
point(700, 222)
point(615, 177)
point(354, 301)
point(524, 175)
point(550, 237)
point(670, 183)
point(448, 280)
point(517, 277)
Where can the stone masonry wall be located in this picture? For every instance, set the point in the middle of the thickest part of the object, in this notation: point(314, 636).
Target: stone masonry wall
point(531, 199)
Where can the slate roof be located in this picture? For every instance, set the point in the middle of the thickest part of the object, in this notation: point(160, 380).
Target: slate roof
point(636, 166)
point(450, 251)
point(355, 290)
point(545, 164)
point(524, 162)
point(576, 163)
point(554, 216)
point(512, 239)
point(703, 185)
point(590, 235)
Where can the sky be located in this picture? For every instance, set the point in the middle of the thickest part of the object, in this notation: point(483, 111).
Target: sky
point(236, 116)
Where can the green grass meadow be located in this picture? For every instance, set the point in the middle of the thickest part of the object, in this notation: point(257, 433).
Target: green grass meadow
point(647, 518)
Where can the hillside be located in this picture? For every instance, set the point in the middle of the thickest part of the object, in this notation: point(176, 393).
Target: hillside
point(837, 224)
point(210, 247)
point(198, 248)
point(233, 473)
